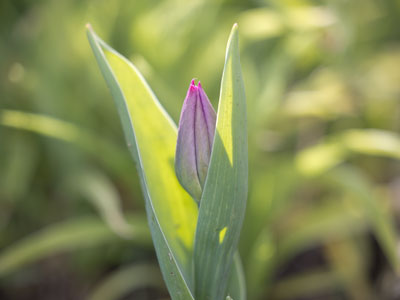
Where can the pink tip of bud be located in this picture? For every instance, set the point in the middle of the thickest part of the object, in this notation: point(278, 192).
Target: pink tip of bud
point(193, 86)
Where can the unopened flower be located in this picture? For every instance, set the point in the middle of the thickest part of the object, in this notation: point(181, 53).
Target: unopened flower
point(195, 139)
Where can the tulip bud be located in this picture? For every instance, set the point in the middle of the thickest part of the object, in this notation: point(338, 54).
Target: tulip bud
point(195, 139)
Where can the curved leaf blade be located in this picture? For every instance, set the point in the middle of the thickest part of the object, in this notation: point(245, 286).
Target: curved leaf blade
point(223, 202)
point(382, 221)
point(70, 235)
point(125, 280)
point(237, 282)
point(151, 137)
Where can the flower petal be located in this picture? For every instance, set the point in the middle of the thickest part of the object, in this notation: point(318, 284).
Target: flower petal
point(195, 138)
point(185, 157)
point(205, 128)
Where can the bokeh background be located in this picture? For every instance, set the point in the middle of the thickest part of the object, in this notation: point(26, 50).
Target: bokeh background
point(323, 88)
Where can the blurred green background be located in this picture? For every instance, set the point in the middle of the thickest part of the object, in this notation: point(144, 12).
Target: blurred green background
point(323, 88)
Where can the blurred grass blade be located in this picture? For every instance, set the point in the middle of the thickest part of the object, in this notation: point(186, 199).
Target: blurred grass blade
point(127, 279)
point(322, 157)
point(373, 142)
point(303, 230)
point(325, 221)
point(382, 221)
point(101, 192)
point(106, 152)
point(348, 258)
point(71, 235)
point(151, 137)
point(223, 202)
point(41, 124)
point(306, 285)
point(237, 283)
point(261, 262)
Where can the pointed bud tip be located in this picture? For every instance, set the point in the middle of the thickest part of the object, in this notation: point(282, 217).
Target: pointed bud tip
point(195, 139)
point(192, 86)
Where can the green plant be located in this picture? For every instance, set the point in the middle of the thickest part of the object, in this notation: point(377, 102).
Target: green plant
point(196, 248)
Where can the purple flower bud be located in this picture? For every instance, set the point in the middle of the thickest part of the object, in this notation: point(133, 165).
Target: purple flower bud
point(195, 139)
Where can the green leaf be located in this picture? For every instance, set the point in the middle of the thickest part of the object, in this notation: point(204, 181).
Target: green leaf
point(223, 202)
point(237, 283)
point(101, 192)
point(103, 150)
point(382, 222)
point(125, 280)
point(67, 236)
point(309, 227)
point(322, 157)
point(306, 284)
point(373, 142)
point(317, 159)
point(151, 138)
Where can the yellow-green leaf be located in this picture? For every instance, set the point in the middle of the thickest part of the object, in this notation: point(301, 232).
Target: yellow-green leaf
point(151, 138)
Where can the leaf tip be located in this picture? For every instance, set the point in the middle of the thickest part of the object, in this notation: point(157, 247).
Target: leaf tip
point(88, 27)
point(233, 37)
point(234, 30)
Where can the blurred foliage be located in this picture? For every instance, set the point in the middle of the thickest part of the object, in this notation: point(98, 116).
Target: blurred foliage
point(322, 83)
